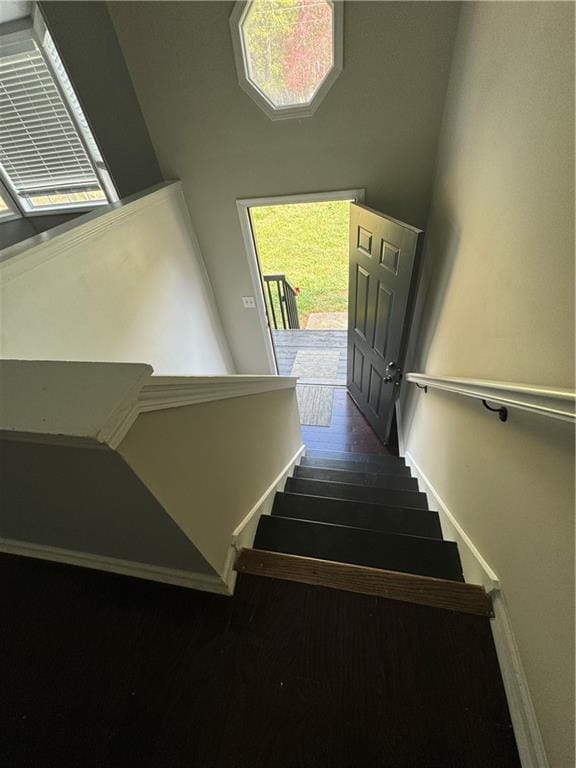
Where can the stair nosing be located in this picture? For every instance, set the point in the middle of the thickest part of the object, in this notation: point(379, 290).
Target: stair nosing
point(357, 501)
point(340, 471)
point(375, 471)
point(370, 530)
point(366, 458)
point(416, 521)
point(379, 582)
point(356, 485)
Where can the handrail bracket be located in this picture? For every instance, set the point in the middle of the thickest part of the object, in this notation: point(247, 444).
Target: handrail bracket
point(502, 411)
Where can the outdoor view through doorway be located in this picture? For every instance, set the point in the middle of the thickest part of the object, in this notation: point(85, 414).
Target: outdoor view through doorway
point(302, 251)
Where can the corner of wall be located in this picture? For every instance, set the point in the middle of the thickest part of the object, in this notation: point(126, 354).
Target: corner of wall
point(243, 535)
point(209, 291)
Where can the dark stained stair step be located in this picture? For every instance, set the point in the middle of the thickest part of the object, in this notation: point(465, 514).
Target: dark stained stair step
point(388, 497)
point(358, 514)
point(357, 478)
point(389, 551)
point(353, 466)
point(361, 458)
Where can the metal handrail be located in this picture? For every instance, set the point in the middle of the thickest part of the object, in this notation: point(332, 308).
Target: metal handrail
point(554, 402)
point(286, 295)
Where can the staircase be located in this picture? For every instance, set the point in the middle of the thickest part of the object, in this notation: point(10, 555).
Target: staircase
point(359, 522)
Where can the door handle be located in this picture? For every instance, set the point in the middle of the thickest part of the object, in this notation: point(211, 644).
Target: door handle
point(393, 374)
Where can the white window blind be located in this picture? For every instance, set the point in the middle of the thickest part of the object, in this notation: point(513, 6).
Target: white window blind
point(44, 158)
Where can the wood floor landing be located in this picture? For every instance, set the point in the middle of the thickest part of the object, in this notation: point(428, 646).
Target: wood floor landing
point(101, 670)
point(348, 430)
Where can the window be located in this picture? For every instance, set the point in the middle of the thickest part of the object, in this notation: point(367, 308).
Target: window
point(288, 52)
point(7, 208)
point(49, 160)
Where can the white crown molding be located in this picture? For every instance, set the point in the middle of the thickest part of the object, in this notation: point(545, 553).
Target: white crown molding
point(175, 391)
point(554, 402)
point(68, 402)
point(162, 392)
point(22, 257)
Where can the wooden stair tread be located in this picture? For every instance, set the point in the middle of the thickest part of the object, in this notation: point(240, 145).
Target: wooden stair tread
point(406, 498)
point(368, 479)
point(365, 458)
point(393, 585)
point(358, 514)
point(356, 466)
point(370, 458)
point(405, 553)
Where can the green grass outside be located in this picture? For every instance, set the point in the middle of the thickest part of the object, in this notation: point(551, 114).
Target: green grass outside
point(308, 242)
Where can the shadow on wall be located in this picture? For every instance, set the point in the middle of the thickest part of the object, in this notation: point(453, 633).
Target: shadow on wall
point(15, 231)
point(442, 244)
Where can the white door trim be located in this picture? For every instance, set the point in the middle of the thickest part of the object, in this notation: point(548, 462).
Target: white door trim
point(243, 206)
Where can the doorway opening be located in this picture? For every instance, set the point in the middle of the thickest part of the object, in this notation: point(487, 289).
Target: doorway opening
point(248, 211)
point(302, 250)
point(289, 242)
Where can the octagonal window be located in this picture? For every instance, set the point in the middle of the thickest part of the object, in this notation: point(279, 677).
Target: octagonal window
point(288, 52)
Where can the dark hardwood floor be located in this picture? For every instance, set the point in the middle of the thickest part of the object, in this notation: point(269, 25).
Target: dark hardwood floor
point(100, 671)
point(349, 431)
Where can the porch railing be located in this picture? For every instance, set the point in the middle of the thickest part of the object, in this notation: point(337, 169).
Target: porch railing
point(281, 302)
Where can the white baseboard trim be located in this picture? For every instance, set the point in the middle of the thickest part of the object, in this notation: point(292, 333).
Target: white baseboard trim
point(243, 535)
point(400, 426)
point(526, 729)
point(176, 577)
point(477, 571)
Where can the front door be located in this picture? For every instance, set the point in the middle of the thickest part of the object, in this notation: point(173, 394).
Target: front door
point(383, 260)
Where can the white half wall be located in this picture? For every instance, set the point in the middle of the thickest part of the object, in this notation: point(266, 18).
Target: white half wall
point(125, 284)
point(199, 459)
point(215, 466)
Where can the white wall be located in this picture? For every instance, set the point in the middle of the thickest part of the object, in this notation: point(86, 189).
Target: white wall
point(377, 127)
point(131, 472)
point(123, 285)
point(497, 302)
